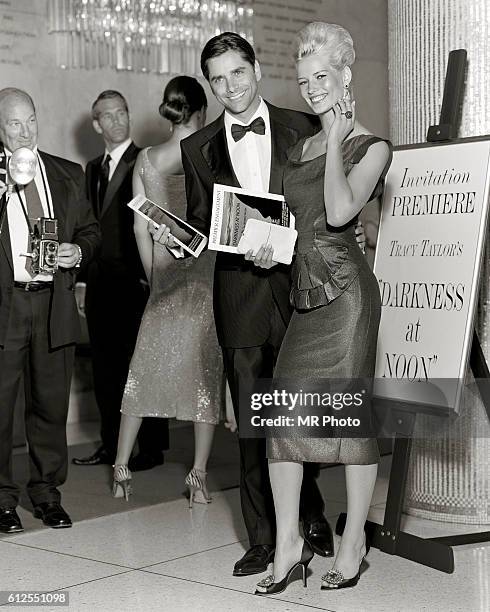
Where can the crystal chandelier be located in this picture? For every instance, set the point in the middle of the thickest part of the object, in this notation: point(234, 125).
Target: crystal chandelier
point(164, 36)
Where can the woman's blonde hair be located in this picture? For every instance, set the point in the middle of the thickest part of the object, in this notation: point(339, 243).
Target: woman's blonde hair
point(330, 38)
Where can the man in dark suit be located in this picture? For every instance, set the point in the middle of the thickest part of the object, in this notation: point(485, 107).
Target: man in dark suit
point(39, 322)
point(246, 147)
point(116, 290)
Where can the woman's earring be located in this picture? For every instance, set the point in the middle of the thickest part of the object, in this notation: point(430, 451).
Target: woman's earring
point(346, 95)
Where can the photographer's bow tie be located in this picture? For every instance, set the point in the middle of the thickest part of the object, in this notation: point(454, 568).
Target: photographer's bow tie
point(257, 126)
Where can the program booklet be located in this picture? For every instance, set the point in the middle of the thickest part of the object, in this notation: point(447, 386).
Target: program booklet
point(184, 234)
point(233, 207)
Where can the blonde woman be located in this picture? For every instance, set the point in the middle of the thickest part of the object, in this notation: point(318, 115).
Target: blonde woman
point(333, 332)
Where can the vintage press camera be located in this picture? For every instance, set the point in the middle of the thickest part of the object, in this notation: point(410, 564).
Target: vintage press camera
point(44, 246)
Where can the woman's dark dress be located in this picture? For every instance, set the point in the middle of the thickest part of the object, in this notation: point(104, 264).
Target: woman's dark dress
point(334, 328)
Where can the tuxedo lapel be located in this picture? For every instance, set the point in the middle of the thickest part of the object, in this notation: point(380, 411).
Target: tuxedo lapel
point(5, 239)
point(282, 137)
point(215, 152)
point(4, 225)
point(93, 172)
point(117, 178)
point(59, 194)
point(124, 166)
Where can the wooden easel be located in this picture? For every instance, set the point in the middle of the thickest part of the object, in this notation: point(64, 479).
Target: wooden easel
point(388, 537)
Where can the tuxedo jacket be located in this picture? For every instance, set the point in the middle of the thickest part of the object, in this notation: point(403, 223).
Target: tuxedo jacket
point(244, 294)
point(118, 259)
point(76, 224)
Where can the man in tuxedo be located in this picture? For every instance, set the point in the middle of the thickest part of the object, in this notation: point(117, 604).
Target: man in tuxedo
point(246, 147)
point(39, 322)
point(116, 290)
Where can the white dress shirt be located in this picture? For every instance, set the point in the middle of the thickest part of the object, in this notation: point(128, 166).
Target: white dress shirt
point(116, 155)
point(251, 155)
point(18, 229)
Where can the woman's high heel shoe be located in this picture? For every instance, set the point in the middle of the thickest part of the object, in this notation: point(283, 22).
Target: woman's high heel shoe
point(198, 490)
point(121, 484)
point(267, 586)
point(334, 578)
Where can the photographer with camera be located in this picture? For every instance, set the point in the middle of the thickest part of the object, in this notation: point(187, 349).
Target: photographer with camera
point(47, 231)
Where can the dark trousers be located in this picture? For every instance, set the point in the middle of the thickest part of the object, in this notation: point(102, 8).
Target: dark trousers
point(114, 311)
point(244, 365)
point(47, 376)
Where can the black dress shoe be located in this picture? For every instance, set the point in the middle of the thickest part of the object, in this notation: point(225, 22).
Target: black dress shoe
point(254, 561)
point(100, 457)
point(145, 461)
point(319, 535)
point(10, 521)
point(52, 515)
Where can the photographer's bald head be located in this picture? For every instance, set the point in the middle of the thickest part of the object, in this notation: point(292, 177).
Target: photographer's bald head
point(18, 121)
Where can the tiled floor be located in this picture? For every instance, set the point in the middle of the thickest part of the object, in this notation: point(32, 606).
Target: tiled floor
point(169, 558)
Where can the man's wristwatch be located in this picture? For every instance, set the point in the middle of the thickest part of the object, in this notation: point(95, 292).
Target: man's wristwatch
point(80, 256)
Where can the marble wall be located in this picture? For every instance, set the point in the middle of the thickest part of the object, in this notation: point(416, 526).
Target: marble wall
point(449, 478)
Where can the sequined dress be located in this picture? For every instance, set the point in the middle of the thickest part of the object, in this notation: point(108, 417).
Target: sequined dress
point(334, 327)
point(176, 369)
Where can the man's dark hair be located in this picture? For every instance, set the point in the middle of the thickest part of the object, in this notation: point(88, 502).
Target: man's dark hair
point(226, 41)
point(108, 94)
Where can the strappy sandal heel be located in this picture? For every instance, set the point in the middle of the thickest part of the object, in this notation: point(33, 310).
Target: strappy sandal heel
point(198, 490)
point(121, 484)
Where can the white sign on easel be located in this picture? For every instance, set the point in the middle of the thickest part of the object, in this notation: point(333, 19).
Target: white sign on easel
point(428, 258)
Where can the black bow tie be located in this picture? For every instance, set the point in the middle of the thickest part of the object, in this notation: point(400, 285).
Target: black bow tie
point(239, 131)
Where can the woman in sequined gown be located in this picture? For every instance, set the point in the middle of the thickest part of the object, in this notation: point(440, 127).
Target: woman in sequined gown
point(176, 369)
point(333, 330)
